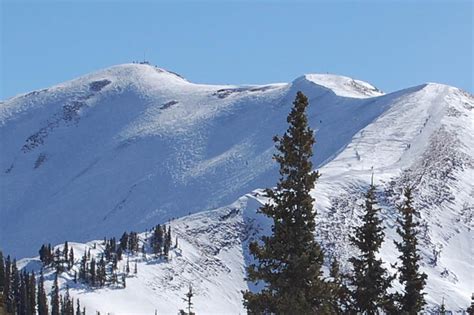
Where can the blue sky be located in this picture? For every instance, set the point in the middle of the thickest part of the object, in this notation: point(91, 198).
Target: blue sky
point(391, 44)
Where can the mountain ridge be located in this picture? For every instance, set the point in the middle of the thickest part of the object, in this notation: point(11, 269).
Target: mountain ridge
point(103, 154)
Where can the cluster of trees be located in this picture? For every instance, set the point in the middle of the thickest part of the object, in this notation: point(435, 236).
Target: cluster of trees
point(21, 293)
point(288, 263)
point(98, 273)
point(130, 242)
point(59, 259)
point(160, 241)
point(62, 305)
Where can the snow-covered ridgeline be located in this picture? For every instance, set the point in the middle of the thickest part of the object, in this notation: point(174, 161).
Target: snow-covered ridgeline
point(134, 145)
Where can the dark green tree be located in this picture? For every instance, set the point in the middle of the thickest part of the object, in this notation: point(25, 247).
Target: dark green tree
point(442, 308)
point(83, 270)
point(340, 294)
point(78, 307)
point(370, 279)
point(101, 272)
point(124, 241)
point(157, 240)
point(288, 262)
point(55, 296)
point(68, 304)
point(7, 289)
point(2, 272)
point(93, 274)
point(412, 299)
point(189, 302)
point(22, 302)
point(32, 293)
point(167, 241)
point(71, 258)
point(66, 251)
point(42, 300)
point(470, 309)
point(16, 287)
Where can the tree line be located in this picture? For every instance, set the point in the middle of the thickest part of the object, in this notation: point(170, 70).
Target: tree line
point(22, 293)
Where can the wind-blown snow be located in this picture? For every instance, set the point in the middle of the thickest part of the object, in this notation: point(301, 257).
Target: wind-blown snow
point(134, 145)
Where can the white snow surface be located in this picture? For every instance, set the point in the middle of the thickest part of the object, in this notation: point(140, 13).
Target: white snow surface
point(134, 145)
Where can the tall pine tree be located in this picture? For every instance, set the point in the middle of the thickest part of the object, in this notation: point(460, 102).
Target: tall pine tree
point(42, 300)
point(288, 262)
point(7, 289)
point(2, 272)
point(412, 300)
point(55, 297)
point(370, 278)
point(340, 294)
point(32, 293)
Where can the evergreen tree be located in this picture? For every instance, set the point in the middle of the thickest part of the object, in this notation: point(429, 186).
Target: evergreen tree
point(32, 293)
point(42, 300)
point(16, 289)
point(57, 257)
point(55, 297)
point(414, 281)
point(114, 262)
point(68, 305)
point(78, 307)
point(45, 254)
point(289, 261)
point(66, 251)
point(83, 268)
point(71, 258)
point(340, 294)
point(119, 253)
point(124, 281)
point(189, 303)
point(2, 272)
point(92, 272)
point(22, 301)
point(470, 309)
point(7, 289)
point(369, 277)
point(442, 308)
point(167, 241)
point(2, 284)
point(124, 241)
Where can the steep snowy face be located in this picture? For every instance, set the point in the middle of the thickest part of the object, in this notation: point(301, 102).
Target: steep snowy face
point(425, 141)
point(343, 86)
point(134, 144)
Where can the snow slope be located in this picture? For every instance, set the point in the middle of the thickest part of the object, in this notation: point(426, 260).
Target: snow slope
point(96, 146)
point(134, 145)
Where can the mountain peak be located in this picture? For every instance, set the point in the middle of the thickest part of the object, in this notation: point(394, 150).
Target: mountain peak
point(340, 85)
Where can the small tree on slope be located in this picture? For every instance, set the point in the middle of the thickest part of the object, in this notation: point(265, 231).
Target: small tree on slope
point(370, 279)
point(289, 261)
point(412, 301)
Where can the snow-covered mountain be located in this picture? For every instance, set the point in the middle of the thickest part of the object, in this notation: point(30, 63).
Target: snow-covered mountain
point(135, 145)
